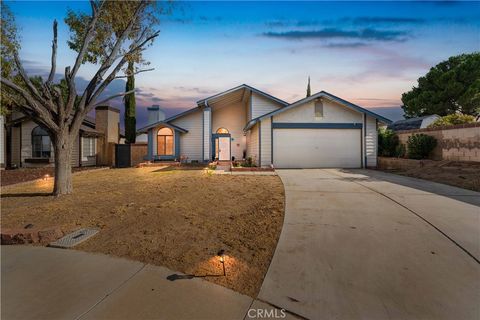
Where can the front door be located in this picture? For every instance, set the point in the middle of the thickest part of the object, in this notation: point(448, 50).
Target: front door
point(223, 148)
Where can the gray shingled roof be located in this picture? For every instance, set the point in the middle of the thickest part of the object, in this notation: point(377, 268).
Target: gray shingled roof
point(407, 124)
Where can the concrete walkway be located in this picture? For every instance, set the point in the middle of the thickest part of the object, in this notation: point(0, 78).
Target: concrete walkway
point(47, 283)
point(361, 244)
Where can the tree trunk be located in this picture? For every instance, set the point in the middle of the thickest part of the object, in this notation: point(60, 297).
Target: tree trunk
point(62, 146)
point(130, 117)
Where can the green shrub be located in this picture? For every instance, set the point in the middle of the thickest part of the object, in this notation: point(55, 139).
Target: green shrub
point(387, 143)
point(250, 162)
point(452, 119)
point(420, 146)
point(400, 151)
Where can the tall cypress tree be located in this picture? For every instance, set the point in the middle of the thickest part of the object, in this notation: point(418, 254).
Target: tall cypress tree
point(130, 118)
point(308, 88)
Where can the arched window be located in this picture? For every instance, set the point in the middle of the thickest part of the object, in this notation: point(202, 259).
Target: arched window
point(222, 130)
point(40, 143)
point(165, 142)
point(318, 108)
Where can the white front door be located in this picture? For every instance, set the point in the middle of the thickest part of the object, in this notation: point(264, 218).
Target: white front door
point(223, 148)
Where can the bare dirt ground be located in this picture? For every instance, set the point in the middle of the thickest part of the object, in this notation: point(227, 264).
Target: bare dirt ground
point(8, 177)
point(464, 175)
point(174, 218)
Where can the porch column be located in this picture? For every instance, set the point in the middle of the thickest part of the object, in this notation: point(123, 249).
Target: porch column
point(207, 133)
point(150, 145)
point(177, 145)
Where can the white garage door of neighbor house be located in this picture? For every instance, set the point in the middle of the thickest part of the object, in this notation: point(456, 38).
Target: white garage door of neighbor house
point(317, 148)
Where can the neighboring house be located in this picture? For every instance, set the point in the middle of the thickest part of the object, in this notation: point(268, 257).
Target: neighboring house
point(413, 123)
point(319, 131)
point(28, 144)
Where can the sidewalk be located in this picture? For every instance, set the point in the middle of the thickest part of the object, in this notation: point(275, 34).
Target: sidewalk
point(47, 283)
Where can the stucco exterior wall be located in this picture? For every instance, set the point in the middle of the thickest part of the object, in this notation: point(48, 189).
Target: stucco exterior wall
point(233, 118)
point(332, 113)
point(107, 121)
point(191, 142)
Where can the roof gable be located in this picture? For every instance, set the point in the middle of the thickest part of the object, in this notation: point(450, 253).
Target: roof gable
point(204, 102)
point(321, 94)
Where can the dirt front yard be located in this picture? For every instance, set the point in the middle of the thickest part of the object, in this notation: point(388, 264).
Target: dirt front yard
point(460, 174)
point(8, 177)
point(173, 218)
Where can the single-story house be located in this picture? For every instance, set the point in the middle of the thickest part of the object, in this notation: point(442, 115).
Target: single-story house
point(27, 144)
point(413, 123)
point(319, 131)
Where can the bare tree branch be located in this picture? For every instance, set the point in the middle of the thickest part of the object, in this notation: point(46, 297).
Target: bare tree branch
point(122, 62)
point(139, 46)
point(88, 38)
point(72, 92)
point(46, 92)
point(112, 56)
point(54, 54)
point(134, 73)
point(26, 79)
point(60, 103)
point(70, 73)
point(33, 105)
point(113, 97)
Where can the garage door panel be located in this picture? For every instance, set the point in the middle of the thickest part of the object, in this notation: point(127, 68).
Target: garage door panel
point(317, 148)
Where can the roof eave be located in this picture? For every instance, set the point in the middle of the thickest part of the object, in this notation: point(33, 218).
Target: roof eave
point(204, 102)
point(155, 124)
point(331, 97)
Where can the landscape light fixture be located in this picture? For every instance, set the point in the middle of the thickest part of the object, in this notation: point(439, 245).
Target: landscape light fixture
point(221, 254)
point(45, 177)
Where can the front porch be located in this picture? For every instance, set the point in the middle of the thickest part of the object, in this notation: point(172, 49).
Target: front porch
point(164, 143)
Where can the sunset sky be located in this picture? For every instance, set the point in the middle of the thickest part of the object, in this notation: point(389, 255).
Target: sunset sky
point(365, 52)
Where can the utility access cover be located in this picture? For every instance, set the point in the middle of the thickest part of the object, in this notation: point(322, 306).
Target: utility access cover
point(74, 238)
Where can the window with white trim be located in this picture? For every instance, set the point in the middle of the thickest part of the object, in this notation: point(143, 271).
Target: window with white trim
point(318, 108)
point(88, 148)
point(41, 146)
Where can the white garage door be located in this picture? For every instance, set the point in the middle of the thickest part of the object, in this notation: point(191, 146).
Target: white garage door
point(317, 148)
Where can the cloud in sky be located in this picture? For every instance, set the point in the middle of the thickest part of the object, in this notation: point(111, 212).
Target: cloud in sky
point(347, 45)
point(336, 33)
point(358, 21)
point(388, 20)
point(353, 49)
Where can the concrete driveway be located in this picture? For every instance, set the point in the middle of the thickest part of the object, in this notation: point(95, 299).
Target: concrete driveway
point(362, 244)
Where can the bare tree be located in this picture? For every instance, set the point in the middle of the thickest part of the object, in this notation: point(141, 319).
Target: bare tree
point(60, 114)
